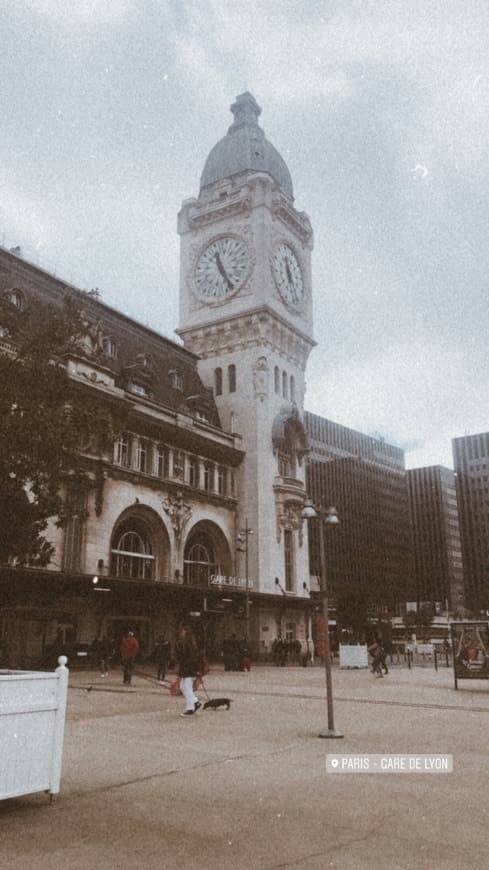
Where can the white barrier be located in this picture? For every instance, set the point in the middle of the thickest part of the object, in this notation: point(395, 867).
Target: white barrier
point(32, 722)
point(353, 656)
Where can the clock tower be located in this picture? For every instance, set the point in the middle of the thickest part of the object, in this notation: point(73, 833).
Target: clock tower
point(246, 311)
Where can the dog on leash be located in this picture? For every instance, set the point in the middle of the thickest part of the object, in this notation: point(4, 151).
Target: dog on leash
point(217, 702)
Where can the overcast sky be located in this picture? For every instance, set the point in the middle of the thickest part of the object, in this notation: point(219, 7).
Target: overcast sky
point(381, 110)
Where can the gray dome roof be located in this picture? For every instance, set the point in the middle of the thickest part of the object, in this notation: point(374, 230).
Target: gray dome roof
point(245, 148)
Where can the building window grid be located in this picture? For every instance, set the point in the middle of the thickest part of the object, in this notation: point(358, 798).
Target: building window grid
point(154, 458)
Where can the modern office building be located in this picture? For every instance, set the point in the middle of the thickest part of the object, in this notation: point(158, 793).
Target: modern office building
point(437, 552)
point(368, 555)
point(471, 463)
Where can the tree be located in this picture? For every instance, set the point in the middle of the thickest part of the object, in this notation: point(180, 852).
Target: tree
point(42, 413)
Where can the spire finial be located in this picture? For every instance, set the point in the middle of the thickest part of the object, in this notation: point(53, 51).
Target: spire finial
point(245, 110)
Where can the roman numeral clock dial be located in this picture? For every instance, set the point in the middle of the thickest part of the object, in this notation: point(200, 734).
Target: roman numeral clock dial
point(288, 275)
point(221, 269)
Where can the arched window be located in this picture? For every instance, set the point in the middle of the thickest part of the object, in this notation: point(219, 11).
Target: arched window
point(16, 298)
point(292, 388)
point(199, 563)
point(218, 382)
point(232, 378)
point(276, 379)
point(284, 384)
point(131, 555)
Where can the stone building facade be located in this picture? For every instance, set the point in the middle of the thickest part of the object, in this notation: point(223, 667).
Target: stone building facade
point(195, 512)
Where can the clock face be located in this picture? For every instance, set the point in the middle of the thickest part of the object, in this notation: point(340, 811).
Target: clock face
point(221, 268)
point(288, 275)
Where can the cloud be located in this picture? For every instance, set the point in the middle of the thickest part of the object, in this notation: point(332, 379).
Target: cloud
point(27, 220)
point(91, 13)
point(409, 393)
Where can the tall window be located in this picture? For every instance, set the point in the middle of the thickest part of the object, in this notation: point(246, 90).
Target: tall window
point(218, 382)
point(122, 451)
point(208, 477)
point(109, 347)
point(193, 473)
point(132, 556)
point(142, 456)
point(232, 378)
point(176, 379)
point(289, 559)
point(221, 480)
point(178, 463)
point(160, 461)
point(292, 388)
point(276, 380)
point(284, 384)
point(284, 465)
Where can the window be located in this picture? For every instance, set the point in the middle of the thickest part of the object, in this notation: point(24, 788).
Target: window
point(132, 556)
point(284, 465)
point(16, 298)
point(221, 480)
point(138, 389)
point(198, 564)
point(232, 378)
point(178, 463)
point(142, 456)
point(218, 382)
point(276, 379)
point(160, 461)
point(176, 379)
point(208, 477)
point(292, 388)
point(121, 450)
point(289, 560)
point(193, 473)
point(284, 384)
point(109, 347)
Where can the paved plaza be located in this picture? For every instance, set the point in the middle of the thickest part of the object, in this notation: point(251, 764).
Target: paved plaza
point(144, 788)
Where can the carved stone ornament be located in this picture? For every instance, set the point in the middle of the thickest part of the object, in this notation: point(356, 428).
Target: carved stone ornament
point(178, 512)
point(261, 378)
point(289, 516)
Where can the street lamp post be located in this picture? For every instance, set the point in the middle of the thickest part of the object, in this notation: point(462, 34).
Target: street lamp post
point(328, 517)
point(243, 537)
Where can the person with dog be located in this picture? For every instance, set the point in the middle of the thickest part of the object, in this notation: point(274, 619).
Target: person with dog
point(189, 666)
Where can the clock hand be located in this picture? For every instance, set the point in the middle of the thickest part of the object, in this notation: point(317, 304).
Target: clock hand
point(291, 281)
point(223, 271)
point(289, 274)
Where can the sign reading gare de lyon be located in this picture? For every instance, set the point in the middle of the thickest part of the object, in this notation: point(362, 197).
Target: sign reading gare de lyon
point(239, 582)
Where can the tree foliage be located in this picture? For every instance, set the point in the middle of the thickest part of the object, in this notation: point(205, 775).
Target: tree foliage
point(42, 413)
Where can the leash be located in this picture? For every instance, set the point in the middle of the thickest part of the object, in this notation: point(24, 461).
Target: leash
point(204, 688)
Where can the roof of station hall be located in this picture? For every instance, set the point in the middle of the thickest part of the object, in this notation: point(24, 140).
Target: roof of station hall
point(245, 148)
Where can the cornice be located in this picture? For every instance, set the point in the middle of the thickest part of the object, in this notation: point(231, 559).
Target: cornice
point(261, 327)
point(298, 221)
point(199, 213)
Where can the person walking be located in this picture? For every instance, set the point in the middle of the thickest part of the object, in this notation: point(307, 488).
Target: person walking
point(382, 657)
point(162, 652)
point(189, 665)
point(129, 651)
point(105, 652)
point(375, 650)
